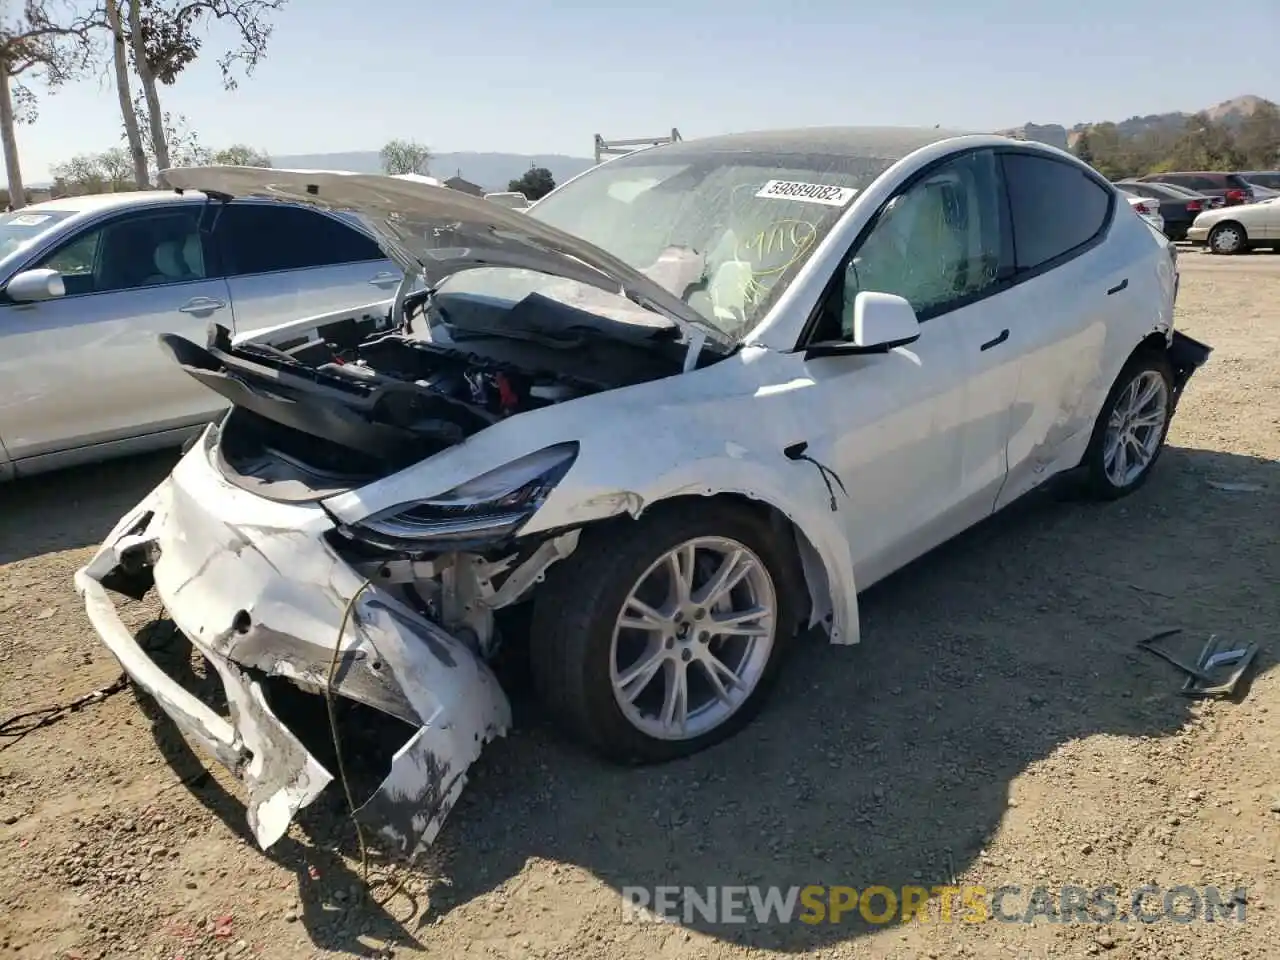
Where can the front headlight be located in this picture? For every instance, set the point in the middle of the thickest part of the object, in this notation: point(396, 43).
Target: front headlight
point(491, 507)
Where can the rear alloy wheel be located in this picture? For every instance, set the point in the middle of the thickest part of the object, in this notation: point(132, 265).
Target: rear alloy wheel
point(1228, 238)
point(657, 638)
point(1129, 434)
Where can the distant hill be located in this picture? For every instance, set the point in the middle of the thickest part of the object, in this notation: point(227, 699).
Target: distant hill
point(492, 171)
point(1231, 112)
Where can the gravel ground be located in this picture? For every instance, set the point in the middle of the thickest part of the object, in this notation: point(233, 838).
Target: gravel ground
point(996, 726)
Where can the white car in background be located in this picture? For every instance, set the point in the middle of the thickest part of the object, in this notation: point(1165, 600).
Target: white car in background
point(1145, 207)
point(1238, 229)
point(685, 408)
point(511, 199)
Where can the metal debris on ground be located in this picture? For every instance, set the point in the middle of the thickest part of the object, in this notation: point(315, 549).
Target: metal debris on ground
point(1216, 671)
point(20, 724)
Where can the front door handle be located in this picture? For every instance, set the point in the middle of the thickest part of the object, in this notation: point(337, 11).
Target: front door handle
point(202, 305)
point(1119, 286)
point(384, 279)
point(1004, 335)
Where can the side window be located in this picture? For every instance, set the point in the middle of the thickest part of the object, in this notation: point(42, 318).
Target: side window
point(263, 238)
point(137, 250)
point(1056, 207)
point(937, 244)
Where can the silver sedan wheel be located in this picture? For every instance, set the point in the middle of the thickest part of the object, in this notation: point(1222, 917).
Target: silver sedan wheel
point(693, 638)
point(1135, 429)
point(1227, 239)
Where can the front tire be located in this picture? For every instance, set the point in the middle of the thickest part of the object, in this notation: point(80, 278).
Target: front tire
point(1228, 238)
point(657, 638)
point(1130, 431)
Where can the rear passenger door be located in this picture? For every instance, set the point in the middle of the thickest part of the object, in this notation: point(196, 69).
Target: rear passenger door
point(286, 262)
point(1066, 284)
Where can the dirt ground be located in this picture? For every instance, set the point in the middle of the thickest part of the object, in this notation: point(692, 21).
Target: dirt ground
point(996, 726)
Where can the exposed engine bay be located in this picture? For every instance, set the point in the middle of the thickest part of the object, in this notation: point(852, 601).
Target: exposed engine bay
point(318, 414)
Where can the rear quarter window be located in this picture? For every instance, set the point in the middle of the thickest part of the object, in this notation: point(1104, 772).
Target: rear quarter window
point(1056, 208)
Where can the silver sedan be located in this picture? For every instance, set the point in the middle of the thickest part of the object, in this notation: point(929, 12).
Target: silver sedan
point(86, 284)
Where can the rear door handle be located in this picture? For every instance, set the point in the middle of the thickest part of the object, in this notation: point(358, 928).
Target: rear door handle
point(384, 278)
point(1119, 286)
point(1004, 335)
point(202, 305)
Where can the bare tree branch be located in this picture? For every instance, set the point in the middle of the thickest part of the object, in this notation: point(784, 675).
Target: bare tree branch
point(48, 37)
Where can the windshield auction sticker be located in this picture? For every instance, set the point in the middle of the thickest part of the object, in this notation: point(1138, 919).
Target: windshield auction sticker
point(822, 193)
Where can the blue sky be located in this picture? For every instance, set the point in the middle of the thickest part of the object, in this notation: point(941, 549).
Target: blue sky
point(543, 78)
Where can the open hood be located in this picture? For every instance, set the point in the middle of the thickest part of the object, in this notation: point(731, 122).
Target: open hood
point(435, 231)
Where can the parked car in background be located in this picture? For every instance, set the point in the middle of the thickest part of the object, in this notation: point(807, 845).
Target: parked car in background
point(1269, 179)
point(683, 410)
point(1232, 187)
point(1238, 229)
point(1148, 210)
point(510, 199)
point(1212, 202)
point(86, 284)
point(1177, 207)
point(1263, 193)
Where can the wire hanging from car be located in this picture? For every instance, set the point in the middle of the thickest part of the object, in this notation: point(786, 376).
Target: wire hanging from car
point(347, 612)
point(797, 452)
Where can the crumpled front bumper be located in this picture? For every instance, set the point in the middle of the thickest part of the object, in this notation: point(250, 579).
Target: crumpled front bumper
point(259, 592)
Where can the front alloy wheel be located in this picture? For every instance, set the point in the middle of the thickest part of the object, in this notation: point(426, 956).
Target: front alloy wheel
point(660, 636)
point(693, 638)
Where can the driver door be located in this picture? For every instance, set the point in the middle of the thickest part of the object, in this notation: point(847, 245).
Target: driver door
point(85, 368)
point(920, 433)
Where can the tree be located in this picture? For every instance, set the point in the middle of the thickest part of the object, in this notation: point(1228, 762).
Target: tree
point(405, 156)
point(1205, 145)
point(120, 62)
point(1084, 149)
point(239, 155)
point(164, 39)
point(182, 142)
point(536, 183)
point(1259, 137)
point(116, 166)
point(110, 171)
point(44, 37)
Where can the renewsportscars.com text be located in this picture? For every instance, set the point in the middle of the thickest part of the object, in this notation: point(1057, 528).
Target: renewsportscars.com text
point(1010, 903)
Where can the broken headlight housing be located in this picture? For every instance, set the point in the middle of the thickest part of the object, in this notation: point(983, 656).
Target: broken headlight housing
point(491, 507)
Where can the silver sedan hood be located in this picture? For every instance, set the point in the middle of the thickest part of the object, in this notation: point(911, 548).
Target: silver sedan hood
point(434, 231)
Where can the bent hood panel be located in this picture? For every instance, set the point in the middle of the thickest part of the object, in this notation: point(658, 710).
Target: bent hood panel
point(437, 231)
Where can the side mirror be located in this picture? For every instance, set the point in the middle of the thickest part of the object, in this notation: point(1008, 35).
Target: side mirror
point(881, 321)
point(31, 286)
point(884, 321)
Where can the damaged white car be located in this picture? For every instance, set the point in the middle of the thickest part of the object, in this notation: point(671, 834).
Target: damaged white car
point(693, 402)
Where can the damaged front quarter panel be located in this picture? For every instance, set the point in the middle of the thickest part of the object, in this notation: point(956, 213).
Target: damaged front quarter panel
point(264, 595)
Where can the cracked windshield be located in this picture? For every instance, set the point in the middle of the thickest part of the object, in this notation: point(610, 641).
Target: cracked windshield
point(724, 232)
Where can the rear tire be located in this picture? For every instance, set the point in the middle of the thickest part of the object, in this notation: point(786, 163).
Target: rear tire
point(1130, 431)
point(1228, 238)
point(580, 649)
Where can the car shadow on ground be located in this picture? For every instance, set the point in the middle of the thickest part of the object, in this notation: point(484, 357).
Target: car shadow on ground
point(77, 507)
point(887, 763)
